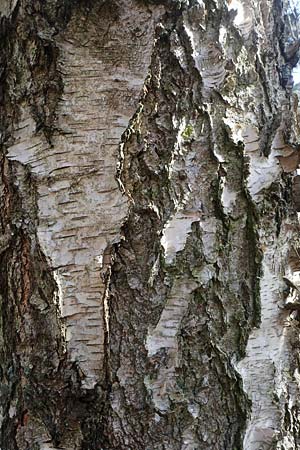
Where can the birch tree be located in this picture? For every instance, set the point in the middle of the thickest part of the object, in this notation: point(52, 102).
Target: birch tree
point(149, 238)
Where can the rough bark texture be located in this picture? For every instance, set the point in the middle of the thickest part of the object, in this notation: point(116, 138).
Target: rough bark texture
point(149, 246)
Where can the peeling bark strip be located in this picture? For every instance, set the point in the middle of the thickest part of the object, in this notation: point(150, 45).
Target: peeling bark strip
point(149, 236)
point(81, 209)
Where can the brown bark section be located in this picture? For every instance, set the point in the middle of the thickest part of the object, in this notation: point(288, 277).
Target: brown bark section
point(176, 324)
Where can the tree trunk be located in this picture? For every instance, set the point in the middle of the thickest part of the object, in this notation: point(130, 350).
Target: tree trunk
point(149, 235)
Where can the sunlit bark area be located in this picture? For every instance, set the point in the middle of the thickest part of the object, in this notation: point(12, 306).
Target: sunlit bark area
point(149, 238)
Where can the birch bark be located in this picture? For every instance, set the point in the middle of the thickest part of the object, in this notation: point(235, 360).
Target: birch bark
point(149, 234)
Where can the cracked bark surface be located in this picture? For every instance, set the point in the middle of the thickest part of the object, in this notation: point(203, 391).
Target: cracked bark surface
point(149, 233)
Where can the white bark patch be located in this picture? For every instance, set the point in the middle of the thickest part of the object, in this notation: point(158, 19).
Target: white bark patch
point(175, 233)
point(164, 336)
point(81, 208)
point(228, 198)
point(264, 370)
point(209, 238)
point(244, 19)
point(7, 7)
point(208, 57)
point(263, 170)
point(251, 139)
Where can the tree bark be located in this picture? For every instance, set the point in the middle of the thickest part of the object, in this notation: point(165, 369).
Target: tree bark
point(149, 244)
